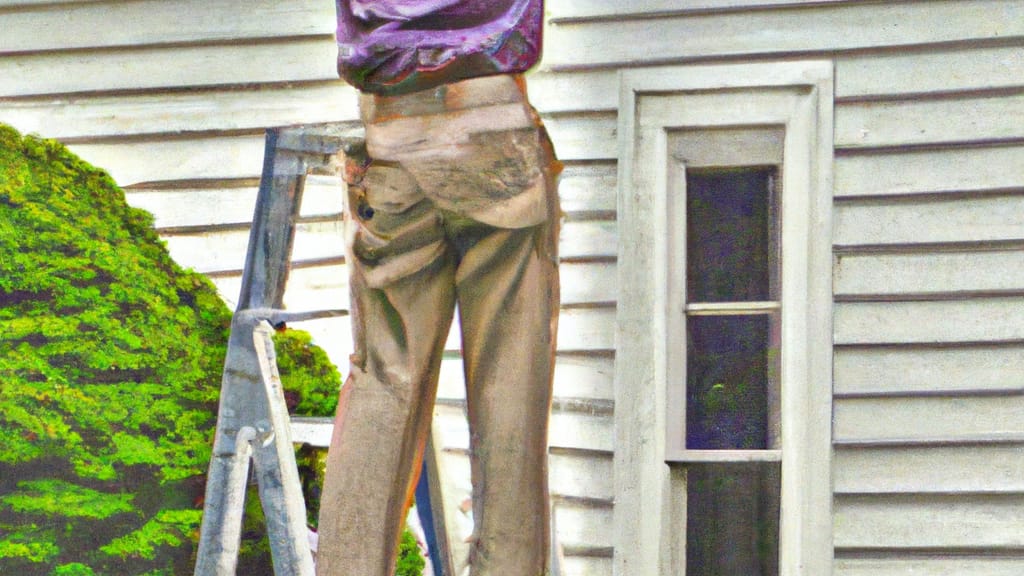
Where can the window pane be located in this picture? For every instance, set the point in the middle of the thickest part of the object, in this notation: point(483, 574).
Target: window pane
point(728, 235)
point(729, 363)
point(732, 525)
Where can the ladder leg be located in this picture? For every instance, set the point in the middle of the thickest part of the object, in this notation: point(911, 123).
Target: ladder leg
point(280, 489)
point(221, 532)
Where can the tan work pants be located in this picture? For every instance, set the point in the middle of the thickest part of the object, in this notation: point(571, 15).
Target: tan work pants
point(458, 206)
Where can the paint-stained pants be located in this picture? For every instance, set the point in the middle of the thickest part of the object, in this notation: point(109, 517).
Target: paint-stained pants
point(458, 206)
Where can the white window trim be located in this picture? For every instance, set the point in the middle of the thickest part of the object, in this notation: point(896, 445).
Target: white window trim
point(650, 515)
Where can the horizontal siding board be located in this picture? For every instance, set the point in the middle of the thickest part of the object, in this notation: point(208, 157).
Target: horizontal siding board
point(583, 526)
point(88, 25)
point(976, 320)
point(216, 157)
point(589, 137)
point(915, 122)
point(972, 469)
point(964, 419)
point(149, 68)
point(584, 283)
point(938, 70)
point(930, 221)
point(913, 370)
point(929, 171)
point(588, 187)
point(857, 76)
point(604, 8)
point(860, 275)
point(963, 522)
point(309, 289)
point(588, 239)
point(581, 476)
point(128, 115)
point(814, 29)
point(938, 565)
point(229, 205)
point(577, 430)
point(586, 566)
point(216, 251)
point(568, 92)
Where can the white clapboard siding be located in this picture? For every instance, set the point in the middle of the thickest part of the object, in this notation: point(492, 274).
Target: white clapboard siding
point(585, 566)
point(930, 171)
point(581, 475)
point(942, 70)
point(975, 320)
point(322, 287)
point(588, 239)
point(992, 522)
point(829, 27)
point(581, 525)
point(589, 187)
point(928, 273)
point(603, 8)
point(928, 420)
point(175, 207)
point(936, 565)
point(933, 469)
point(877, 76)
point(169, 159)
point(95, 24)
point(588, 282)
point(583, 137)
point(591, 90)
point(291, 60)
point(903, 371)
point(910, 122)
point(84, 117)
point(216, 251)
point(931, 221)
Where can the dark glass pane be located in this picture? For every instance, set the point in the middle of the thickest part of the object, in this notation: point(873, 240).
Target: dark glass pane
point(732, 519)
point(728, 235)
point(727, 368)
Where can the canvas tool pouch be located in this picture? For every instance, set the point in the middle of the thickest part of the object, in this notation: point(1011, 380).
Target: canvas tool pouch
point(475, 148)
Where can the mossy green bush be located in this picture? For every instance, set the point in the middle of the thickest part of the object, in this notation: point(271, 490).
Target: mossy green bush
point(110, 365)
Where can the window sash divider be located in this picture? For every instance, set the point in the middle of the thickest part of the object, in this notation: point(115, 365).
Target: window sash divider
point(721, 456)
point(732, 308)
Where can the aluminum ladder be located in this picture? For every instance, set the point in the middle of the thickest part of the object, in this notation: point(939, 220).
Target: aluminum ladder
point(252, 420)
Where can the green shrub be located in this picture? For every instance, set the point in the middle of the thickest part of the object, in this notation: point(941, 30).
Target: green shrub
point(110, 364)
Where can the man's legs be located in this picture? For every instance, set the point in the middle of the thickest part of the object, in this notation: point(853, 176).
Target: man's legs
point(386, 404)
point(507, 285)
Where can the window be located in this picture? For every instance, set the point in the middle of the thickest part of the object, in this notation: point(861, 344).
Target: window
point(723, 414)
point(723, 368)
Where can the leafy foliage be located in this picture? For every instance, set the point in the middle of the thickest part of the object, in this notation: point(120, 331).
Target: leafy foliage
point(110, 364)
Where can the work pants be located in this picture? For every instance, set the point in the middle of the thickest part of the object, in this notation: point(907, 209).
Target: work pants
point(458, 206)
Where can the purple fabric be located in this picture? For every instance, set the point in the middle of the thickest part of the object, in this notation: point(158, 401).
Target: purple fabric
point(399, 46)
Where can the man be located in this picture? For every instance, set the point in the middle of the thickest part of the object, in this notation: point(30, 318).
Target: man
point(456, 203)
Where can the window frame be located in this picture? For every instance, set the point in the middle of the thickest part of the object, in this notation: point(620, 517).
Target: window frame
point(655, 103)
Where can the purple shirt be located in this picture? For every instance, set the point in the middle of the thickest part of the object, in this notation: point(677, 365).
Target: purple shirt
point(400, 46)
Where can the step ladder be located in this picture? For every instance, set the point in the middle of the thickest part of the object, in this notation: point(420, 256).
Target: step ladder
point(252, 421)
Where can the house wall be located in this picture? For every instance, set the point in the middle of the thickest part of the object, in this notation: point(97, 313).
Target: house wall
point(929, 176)
point(173, 97)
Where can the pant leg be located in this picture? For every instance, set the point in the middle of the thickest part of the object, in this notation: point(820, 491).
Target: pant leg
point(402, 278)
point(507, 286)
